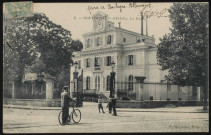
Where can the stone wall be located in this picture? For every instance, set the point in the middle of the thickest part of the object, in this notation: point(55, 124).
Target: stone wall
point(34, 102)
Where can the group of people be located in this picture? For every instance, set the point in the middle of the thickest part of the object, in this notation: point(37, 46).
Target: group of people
point(65, 98)
point(111, 105)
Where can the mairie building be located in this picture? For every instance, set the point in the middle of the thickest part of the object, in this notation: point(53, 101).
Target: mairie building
point(134, 55)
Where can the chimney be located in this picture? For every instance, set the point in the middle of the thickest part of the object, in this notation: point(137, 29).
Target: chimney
point(142, 18)
point(119, 24)
point(146, 26)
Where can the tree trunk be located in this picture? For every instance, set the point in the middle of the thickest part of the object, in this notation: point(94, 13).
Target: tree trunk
point(205, 97)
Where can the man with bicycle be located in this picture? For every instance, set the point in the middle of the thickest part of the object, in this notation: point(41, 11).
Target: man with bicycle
point(65, 99)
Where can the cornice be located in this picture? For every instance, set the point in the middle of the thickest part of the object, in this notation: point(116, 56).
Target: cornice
point(134, 33)
point(106, 51)
point(97, 32)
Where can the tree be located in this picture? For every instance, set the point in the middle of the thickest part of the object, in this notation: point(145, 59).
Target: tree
point(184, 52)
point(38, 43)
point(18, 50)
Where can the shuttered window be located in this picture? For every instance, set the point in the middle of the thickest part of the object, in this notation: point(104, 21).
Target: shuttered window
point(124, 39)
point(108, 60)
point(130, 59)
point(88, 62)
point(88, 83)
point(108, 83)
point(97, 83)
point(109, 40)
point(98, 41)
point(130, 83)
point(88, 43)
point(79, 64)
point(97, 61)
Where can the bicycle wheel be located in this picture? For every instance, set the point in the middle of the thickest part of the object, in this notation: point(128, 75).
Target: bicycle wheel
point(76, 115)
point(60, 118)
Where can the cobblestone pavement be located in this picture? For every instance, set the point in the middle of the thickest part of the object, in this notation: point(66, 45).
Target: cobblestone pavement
point(46, 121)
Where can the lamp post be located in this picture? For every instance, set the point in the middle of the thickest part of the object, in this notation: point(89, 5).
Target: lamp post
point(75, 75)
point(112, 84)
point(112, 79)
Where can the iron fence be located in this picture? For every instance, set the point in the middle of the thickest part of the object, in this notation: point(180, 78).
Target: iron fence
point(155, 92)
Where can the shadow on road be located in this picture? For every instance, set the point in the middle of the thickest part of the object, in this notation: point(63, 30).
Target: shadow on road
point(24, 126)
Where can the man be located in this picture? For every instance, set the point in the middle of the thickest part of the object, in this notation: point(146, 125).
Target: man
point(109, 105)
point(113, 102)
point(65, 98)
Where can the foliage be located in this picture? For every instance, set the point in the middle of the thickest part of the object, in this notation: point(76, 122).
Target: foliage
point(41, 45)
point(18, 49)
point(184, 52)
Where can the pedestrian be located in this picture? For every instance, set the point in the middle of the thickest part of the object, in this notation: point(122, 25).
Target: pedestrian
point(100, 106)
point(109, 105)
point(113, 102)
point(65, 98)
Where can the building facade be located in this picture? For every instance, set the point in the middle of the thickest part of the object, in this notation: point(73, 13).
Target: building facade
point(134, 55)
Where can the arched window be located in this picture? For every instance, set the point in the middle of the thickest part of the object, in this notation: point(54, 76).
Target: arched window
point(130, 87)
point(98, 41)
point(97, 82)
point(108, 83)
point(88, 83)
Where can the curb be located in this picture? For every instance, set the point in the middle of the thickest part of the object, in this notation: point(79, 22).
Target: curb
point(119, 110)
point(161, 111)
point(32, 108)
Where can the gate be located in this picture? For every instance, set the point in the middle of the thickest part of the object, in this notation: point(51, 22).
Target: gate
point(78, 93)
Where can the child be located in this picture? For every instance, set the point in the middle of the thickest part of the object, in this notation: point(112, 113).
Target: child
point(100, 106)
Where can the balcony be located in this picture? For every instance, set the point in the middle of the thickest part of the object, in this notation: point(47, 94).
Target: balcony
point(97, 68)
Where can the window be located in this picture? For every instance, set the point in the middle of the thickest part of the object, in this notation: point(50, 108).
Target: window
point(130, 84)
point(79, 64)
point(108, 60)
point(98, 41)
point(124, 39)
point(138, 40)
point(108, 83)
point(130, 59)
point(88, 62)
point(88, 83)
point(109, 40)
point(88, 43)
point(97, 61)
point(97, 83)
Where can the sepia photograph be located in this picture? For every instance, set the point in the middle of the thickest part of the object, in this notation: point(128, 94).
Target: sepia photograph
point(112, 67)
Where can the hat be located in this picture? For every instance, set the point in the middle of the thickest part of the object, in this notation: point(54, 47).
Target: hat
point(65, 88)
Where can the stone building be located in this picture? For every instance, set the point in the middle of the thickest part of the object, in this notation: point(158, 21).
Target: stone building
point(134, 55)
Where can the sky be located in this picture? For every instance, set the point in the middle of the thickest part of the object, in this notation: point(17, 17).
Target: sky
point(71, 16)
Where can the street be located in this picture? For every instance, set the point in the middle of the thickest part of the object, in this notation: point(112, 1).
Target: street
point(128, 120)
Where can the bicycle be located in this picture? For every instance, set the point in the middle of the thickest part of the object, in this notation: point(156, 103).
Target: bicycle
point(75, 115)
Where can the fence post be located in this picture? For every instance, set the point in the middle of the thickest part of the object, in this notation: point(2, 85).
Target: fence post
point(178, 91)
point(198, 93)
point(139, 82)
point(155, 92)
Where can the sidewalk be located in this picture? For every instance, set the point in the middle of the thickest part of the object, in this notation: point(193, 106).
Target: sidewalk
point(189, 109)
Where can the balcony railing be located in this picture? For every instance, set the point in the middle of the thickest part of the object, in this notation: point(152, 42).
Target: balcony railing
point(89, 91)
